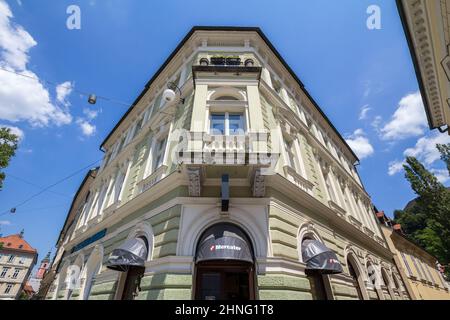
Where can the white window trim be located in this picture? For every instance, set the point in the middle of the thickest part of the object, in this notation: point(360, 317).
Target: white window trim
point(227, 120)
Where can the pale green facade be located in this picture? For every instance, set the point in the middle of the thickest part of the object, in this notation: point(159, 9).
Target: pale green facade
point(146, 187)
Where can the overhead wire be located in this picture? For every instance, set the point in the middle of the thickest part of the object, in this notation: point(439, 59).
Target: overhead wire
point(14, 208)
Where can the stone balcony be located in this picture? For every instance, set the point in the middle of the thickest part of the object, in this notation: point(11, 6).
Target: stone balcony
point(248, 149)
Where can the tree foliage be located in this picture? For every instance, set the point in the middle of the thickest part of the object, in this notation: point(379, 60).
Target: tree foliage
point(444, 149)
point(8, 147)
point(427, 220)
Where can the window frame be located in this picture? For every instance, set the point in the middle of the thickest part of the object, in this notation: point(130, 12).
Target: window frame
point(226, 123)
point(16, 273)
point(4, 272)
point(8, 288)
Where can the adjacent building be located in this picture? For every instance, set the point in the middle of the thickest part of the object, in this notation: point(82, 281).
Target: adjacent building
point(34, 283)
point(427, 29)
point(419, 269)
point(224, 180)
point(17, 259)
point(47, 285)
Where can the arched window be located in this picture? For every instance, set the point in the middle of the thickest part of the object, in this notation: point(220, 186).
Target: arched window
point(374, 279)
point(73, 276)
point(92, 268)
point(355, 279)
point(226, 98)
point(357, 276)
point(316, 281)
point(388, 283)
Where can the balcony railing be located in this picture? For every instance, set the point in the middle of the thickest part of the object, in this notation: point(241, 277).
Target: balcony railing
point(152, 179)
point(203, 148)
point(226, 61)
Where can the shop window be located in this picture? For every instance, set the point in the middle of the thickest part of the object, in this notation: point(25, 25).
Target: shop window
point(354, 276)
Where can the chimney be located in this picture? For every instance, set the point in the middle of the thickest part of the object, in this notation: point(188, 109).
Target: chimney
point(398, 228)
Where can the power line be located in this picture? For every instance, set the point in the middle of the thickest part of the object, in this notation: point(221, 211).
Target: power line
point(66, 87)
point(13, 209)
point(36, 186)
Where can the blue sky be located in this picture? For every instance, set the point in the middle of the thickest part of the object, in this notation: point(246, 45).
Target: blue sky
point(363, 80)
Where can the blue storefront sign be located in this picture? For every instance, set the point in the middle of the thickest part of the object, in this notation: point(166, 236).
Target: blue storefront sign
point(89, 240)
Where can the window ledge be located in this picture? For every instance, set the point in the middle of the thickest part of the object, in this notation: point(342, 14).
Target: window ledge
point(152, 179)
point(339, 210)
point(368, 232)
point(298, 179)
point(111, 209)
point(355, 222)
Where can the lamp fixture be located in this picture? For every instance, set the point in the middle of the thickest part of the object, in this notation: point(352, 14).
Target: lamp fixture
point(170, 95)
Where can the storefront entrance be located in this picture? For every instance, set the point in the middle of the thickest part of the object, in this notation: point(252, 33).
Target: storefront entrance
point(224, 265)
point(132, 283)
point(225, 281)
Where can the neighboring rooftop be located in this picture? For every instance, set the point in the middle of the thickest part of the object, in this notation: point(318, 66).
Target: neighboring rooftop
point(17, 243)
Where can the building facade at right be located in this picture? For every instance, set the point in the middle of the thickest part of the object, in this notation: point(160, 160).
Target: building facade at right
point(427, 30)
point(419, 269)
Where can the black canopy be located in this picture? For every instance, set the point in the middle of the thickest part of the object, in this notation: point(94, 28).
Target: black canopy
point(318, 257)
point(132, 253)
point(224, 242)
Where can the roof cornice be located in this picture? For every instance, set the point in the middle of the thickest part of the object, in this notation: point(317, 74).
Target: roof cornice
point(228, 29)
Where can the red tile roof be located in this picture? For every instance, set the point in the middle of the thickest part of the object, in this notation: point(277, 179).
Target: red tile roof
point(17, 243)
point(28, 289)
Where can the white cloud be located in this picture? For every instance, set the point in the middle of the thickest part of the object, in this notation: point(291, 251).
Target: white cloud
point(426, 152)
point(409, 120)
point(63, 90)
point(87, 128)
point(5, 223)
point(90, 114)
point(14, 130)
point(22, 98)
point(441, 175)
point(363, 113)
point(360, 144)
point(15, 42)
point(395, 167)
point(425, 149)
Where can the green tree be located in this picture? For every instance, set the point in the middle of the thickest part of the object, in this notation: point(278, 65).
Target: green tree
point(8, 147)
point(427, 220)
point(444, 150)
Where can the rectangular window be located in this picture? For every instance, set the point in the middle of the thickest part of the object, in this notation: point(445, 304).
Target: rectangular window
point(430, 276)
point(227, 124)
point(289, 146)
point(8, 288)
point(236, 124)
point(218, 124)
point(330, 188)
point(11, 258)
point(16, 273)
point(138, 127)
point(4, 272)
point(408, 268)
point(159, 154)
point(417, 267)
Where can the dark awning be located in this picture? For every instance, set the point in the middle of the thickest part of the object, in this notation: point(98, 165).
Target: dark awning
point(132, 253)
point(318, 257)
point(224, 242)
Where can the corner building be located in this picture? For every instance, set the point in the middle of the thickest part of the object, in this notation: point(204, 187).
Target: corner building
point(216, 184)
